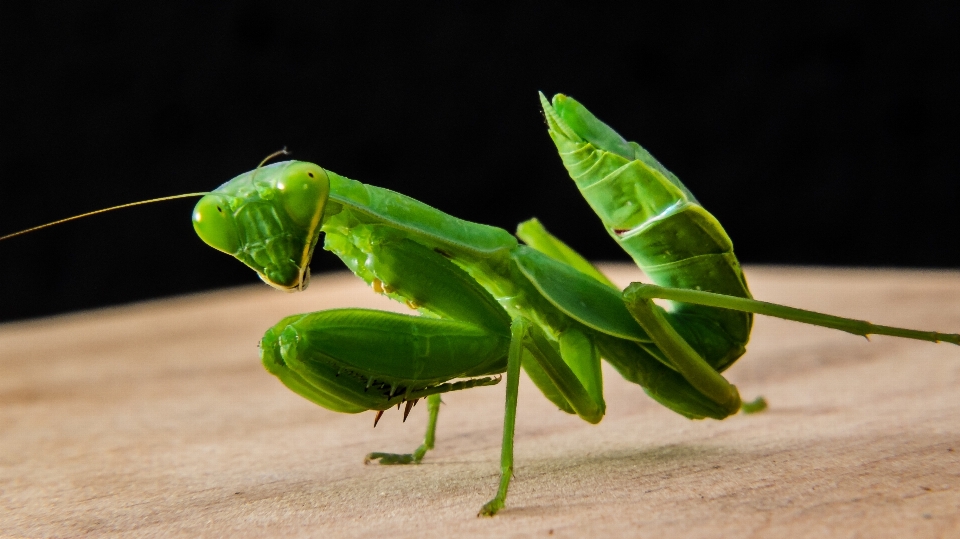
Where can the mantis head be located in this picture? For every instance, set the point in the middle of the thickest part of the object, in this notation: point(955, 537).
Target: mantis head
point(269, 219)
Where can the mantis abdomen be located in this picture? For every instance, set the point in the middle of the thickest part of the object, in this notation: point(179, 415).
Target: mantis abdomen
point(658, 222)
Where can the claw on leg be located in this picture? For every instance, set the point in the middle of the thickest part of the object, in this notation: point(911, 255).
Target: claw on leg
point(490, 508)
point(393, 458)
point(433, 406)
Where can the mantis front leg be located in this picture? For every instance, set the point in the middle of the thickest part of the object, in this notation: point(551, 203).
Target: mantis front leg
point(354, 360)
point(339, 360)
point(683, 357)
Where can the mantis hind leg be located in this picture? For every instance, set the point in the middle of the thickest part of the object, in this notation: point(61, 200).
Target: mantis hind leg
point(433, 408)
point(640, 291)
point(683, 357)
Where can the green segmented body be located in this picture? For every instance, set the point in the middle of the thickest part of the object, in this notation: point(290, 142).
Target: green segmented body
point(490, 276)
point(658, 222)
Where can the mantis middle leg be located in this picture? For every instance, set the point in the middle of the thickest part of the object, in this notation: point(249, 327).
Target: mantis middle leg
point(573, 373)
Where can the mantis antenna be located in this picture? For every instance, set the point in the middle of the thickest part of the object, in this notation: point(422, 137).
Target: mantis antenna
point(282, 151)
point(88, 214)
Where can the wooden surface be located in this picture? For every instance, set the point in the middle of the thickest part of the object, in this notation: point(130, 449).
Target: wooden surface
point(157, 420)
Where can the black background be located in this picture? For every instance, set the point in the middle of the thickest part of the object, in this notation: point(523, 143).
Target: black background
point(817, 133)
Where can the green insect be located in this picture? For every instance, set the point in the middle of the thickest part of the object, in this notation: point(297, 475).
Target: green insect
point(491, 305)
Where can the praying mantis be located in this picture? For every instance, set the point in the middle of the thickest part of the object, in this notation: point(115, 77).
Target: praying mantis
point(490, 305)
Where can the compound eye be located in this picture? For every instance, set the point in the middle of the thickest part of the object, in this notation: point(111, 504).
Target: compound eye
point(304, 191)
point(214, 223)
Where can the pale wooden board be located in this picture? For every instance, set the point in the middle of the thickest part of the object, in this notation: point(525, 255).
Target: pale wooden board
point(157, 420)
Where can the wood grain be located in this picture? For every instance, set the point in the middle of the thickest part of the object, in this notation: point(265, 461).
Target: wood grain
point(157, 419)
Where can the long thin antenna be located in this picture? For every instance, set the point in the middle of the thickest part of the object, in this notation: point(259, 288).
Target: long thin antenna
point(88, 214)
point(281, 151)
